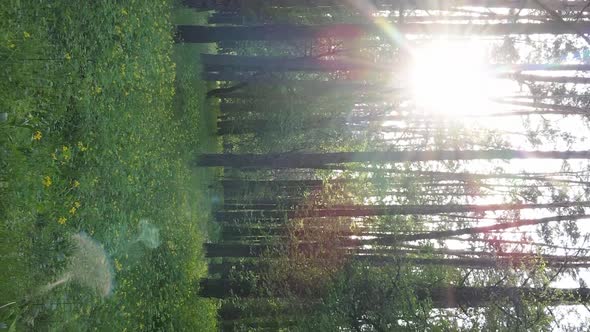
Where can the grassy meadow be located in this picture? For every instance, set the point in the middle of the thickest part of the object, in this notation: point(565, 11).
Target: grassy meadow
point(100, 114)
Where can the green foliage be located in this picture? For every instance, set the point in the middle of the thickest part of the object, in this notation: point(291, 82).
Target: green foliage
point(379, 299)
point(96, 139)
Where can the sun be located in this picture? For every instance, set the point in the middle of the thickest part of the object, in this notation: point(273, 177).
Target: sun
point(453, 78)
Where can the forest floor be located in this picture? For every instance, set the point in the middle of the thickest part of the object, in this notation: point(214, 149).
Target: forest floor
point(100, 116)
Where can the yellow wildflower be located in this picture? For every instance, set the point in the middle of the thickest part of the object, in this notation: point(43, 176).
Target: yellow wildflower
point(53, 156)
point(82, 147)
point(97, 90)
point(73, 210)
point(118, 265)
point(65, 148)
point(77, 204)
point(37, 135)
point(46, 181)
point(26, 35)
point(62, 220)
point(68, 56)
point(76, 184)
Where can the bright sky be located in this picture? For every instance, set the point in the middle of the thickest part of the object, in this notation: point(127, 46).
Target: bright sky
point(451, 78)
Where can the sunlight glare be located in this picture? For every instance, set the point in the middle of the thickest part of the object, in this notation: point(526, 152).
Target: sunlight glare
point(452, 78)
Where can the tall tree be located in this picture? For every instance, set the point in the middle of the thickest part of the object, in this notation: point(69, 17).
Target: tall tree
point(312, 160)
point(209, 34)
point(392, 4)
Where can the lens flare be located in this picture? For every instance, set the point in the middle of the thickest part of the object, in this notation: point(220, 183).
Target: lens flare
point(453, 78)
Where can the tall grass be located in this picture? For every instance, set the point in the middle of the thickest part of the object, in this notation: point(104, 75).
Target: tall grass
point(98, 136)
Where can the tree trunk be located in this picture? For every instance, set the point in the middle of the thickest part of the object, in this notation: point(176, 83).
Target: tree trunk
point(239, 127)
point(387, 210)
point(210, 34)
point(480, 263)
point(436, 235)
point(317, 160)
point(263, 307)
point(551, 79)
point(392, 4)
point(270, 184)
point(223, 288)
point(223, 62)
point(277, 205)
point(237, 233)
point(443, 297)
point(235, 250)
point(227, 18)
point(263, 323)
point(225, 268)
point(265, 189)
point(469, 177)
point(228, 75)
point(253, 250)
point(454, 297)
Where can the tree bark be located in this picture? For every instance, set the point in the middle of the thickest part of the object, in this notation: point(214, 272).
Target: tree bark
point(465, 176)
point(551, 79)
point(210, 34)
point(223, 288)
point(223, 62)
point(227, 18)
point(317, 160)
point(270, 184)
point(237, 127)
point(387, 210)
point(241, 233)
point(479, 263)
point(454, 297)
point(270, 322)
point(435, 235)
point(262, 307)
point(235, 250)
point(393, 4)
point(551, 108)
point(444, 297)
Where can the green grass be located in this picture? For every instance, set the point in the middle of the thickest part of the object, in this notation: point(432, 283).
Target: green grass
point(204, 125)
point(104, 115)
